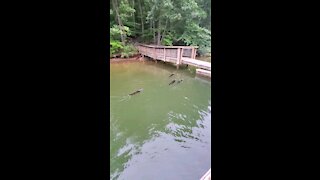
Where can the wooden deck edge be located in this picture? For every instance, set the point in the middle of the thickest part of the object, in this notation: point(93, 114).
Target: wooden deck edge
point(207, 176)
point(203, 72)
point(167, 47)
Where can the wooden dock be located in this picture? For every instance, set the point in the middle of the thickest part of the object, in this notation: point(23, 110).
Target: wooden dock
point(202, 72)
point(194, 62)
point(207, 176)
point(177, 55)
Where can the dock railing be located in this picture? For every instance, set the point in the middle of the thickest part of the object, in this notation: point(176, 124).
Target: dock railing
point(172, 54)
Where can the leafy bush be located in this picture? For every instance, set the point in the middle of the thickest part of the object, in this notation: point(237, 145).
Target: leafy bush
point(128, 50)
point(168, 40)
point(115, 47)
point(197, 36)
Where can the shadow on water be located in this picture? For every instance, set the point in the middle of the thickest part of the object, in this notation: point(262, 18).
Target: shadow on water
point(163, 132)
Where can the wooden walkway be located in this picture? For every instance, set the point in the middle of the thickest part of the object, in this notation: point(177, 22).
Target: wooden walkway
point(207, 176)
point(197, 63)
point(175, 54)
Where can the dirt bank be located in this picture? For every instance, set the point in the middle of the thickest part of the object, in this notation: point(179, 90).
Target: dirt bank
point(126, 60)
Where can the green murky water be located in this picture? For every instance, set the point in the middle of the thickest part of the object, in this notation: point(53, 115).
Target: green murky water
point(164, 132)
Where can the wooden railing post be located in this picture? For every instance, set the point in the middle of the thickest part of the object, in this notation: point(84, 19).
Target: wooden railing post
point(180, 61)
point(178, 57)
point(155, 54)
point(192, 53)
point(164, 54)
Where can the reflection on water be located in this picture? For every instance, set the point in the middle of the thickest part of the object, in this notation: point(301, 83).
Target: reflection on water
point(163, 132)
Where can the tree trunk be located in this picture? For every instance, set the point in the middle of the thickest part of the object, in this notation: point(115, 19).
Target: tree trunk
point(154, 33)
point(141, 14)
point(150, 23)
point(159, 33)
point(134, 19)
point(164, 31)
point(115, 6)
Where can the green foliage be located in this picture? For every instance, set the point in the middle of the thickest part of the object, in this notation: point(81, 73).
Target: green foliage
point(125, 51)
point(197, 36)
point(168, 40)
point(176, 22)
point(116, 31)
point(115, 47)
point(128, 51)
point(126, 11)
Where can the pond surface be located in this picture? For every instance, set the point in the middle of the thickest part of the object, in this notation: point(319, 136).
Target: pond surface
point(163, 132)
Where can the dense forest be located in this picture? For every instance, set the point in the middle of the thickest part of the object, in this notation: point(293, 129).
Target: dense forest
point(160, 22)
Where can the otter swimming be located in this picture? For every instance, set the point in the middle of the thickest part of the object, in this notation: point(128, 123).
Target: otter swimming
point(172, 82)
point(180, 81)
point(137, 91)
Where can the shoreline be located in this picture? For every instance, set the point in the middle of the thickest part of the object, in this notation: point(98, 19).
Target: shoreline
point(135, 58)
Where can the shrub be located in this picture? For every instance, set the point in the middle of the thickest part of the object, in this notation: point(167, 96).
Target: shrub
point(128, 50)
point(115, 47)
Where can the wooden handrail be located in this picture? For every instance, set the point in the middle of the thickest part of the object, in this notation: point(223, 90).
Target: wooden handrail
point(174, 54)
point(156, 46)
